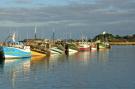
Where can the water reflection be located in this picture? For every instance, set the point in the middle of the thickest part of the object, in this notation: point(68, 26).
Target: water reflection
point(93, 56)
point(11, 68)
point(1, 65)
point(35, 63)
point(39, 63)
point(8, 64)
point(20, 72)
point(103, 55)
point(83, 57)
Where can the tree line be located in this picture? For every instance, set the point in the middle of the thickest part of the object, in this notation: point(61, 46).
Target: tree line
point(115, 38)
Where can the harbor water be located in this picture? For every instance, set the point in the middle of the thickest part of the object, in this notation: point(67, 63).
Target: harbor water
point(104, 69)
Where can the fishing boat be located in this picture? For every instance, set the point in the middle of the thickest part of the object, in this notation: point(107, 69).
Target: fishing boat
point(84, 46)
point(72, 51)
point(37, 54)
point(14, 49)
point(71, 48)
point(103, 45)
point(93, 46)
point(56, 51)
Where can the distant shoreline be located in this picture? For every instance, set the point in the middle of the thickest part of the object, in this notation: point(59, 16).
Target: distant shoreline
point(111, 43)
point(122, 43)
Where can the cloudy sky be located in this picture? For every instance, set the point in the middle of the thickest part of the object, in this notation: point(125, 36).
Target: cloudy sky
point(66, 17)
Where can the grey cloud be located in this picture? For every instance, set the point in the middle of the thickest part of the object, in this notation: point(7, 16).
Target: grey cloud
point(23, 1)
point(78, 12)
point(103, 14)
point(82, 1)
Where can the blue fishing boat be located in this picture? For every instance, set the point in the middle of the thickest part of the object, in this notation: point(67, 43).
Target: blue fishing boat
point(14, 50)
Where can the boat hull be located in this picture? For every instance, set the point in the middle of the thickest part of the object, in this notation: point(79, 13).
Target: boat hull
point(84, 49)
point(55, 50)
point(72, 51)
point(34, 54)
point(93, 48)
point(103, 45)
point(12, 52)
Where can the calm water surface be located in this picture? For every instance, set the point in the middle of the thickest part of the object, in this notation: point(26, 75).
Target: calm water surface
point(105, 69)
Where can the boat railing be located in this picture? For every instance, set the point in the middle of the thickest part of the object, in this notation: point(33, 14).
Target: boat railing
point(16, 45)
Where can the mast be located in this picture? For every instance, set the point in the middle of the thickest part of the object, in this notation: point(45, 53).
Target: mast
point(104, 38)
point(13, 37)
point(70, 37)
point(53, 36)
point(35, 32)
point(82, 37)
point(27, 35)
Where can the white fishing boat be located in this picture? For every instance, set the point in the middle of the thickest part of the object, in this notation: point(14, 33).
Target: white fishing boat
point(71, 48)
point(72, 51)
point(56, 51)
point(93, 46)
